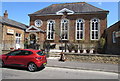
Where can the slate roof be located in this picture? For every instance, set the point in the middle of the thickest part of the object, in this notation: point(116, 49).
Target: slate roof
point(12, 23)
point(80, 7)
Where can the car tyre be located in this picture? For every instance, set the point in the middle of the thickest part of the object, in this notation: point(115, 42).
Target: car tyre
point(32, 67)
point(1, 63)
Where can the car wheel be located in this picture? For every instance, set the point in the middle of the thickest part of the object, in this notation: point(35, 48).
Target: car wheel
point(1, 63)
point(32, 67)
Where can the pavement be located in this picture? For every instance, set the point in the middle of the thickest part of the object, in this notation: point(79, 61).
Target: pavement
point(53, 62)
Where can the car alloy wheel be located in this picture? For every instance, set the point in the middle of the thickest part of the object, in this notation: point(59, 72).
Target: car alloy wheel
point(32, 67)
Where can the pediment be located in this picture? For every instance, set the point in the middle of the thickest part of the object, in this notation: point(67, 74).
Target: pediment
point(65, 10)
point(32, 28)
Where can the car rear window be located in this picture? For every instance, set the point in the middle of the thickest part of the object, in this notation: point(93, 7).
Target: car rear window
point(40, 53)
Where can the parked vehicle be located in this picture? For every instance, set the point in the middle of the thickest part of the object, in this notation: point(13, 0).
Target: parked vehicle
point(28, 58)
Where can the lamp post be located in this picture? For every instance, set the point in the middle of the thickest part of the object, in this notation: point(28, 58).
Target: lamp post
point(46, 45)
point(60, 36)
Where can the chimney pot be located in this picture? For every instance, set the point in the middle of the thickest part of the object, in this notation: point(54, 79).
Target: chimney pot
point(6, 14)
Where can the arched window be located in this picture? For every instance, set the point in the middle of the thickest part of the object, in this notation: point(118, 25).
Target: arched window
point(64, 29)
point(79, 29)
point(95, 29)
point(50, 29)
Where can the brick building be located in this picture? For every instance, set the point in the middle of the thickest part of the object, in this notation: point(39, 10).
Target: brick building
point(12, 33)
point(0, 38)
point(113, 39)
point(67, 22)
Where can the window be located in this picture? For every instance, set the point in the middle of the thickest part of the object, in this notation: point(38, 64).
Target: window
point(64, 29)
point(95, 27)
point(79, 29)
point(18, 38)
point(24, 52)
point(50, 29)
point(113, 37)
point(14, 53)
point(40, 53)
point(38, 23)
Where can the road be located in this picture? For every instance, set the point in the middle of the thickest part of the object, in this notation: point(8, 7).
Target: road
point(56, 73)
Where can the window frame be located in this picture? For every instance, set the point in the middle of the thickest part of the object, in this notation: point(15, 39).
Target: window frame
point(50, 30)
point(113, 37)
point(83, 21)
point(18, 38)
point(91, 21)
point(64, 29)
point(36, 23)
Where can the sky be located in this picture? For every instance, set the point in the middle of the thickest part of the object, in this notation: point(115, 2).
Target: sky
point(19, 11)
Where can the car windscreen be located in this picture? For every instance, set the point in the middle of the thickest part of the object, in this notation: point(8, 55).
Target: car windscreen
point(40, 53)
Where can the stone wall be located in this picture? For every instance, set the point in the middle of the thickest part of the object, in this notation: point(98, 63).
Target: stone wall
point(95, 58)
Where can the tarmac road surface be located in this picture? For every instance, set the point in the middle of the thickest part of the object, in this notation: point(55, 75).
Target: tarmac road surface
point(56, 73)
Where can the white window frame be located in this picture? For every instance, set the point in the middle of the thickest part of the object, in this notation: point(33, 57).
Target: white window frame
point(18, 38)
point(113, 37)
point(50, 30)
point(64, 30)
point(94, 29)
point(38, 21)
point(80, 29)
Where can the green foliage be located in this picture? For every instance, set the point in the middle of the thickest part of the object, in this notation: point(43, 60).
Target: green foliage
point(102, 42)
point(75, 47)
point(80, 46)
point(46, 45)
point(70, 46)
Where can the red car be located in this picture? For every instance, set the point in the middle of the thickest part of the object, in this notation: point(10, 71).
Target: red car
point(31, 59)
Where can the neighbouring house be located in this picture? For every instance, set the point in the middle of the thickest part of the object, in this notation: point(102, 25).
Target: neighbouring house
point(0, 37)
point(11, 33)
point(113, 39)
point(78, 23)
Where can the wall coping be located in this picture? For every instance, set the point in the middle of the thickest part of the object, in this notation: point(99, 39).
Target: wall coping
point(92, 54)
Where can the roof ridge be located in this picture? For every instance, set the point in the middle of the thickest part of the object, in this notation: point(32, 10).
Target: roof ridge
point(70, 3)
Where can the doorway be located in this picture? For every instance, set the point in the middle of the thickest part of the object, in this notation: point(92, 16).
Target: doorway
point(32, 39)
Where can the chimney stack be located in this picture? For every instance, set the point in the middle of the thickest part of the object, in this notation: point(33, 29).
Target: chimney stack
point(6, 14)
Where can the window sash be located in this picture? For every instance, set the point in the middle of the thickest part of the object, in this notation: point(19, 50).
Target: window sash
point(95, 29)
point(64, 29)
point(50, 30)
point(79, 29)
point(18, 38)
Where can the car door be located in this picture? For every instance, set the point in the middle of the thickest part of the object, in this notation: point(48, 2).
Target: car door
point(11, 57)
point(23, 58)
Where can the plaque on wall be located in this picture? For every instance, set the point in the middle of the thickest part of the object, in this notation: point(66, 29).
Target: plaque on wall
point(10, 31)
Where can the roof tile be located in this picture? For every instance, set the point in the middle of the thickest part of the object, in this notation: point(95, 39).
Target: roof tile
point(80, 7)
point(13, 23)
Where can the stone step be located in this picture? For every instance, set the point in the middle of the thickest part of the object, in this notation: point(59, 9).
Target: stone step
point(54, 54)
